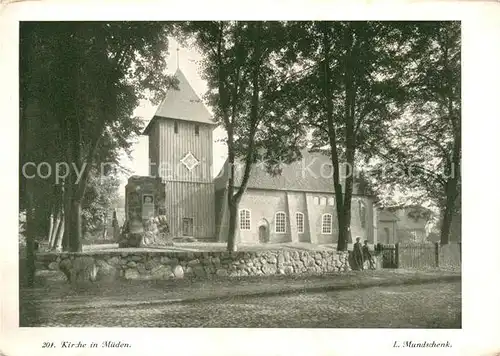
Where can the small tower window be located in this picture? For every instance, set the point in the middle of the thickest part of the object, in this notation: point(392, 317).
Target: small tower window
point(176, 127)
point(196, 130)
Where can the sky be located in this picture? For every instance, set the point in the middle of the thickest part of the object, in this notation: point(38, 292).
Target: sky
point(188, 59)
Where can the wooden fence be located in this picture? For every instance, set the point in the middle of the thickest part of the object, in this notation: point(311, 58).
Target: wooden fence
point(420, 255)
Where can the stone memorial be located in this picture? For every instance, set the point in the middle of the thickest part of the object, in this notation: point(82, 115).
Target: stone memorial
point(146, 222)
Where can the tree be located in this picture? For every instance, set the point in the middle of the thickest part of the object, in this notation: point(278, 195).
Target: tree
point(244, 91)
point(100, 196)
point(81, 82)
point(423, 147)
point(348, 87)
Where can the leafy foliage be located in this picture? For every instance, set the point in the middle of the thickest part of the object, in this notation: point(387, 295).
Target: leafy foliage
point(423, 146)
point(80, 82)
point(246, 96)
point(100, 197)
point(347, 85)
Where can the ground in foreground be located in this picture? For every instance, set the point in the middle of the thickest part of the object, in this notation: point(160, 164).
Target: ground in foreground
point(431, 305)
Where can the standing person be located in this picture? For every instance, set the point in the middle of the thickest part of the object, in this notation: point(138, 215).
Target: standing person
point(357, 254)
point(367, 256)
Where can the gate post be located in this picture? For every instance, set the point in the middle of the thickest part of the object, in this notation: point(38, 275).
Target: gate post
point(397, 255)
point(436, 252)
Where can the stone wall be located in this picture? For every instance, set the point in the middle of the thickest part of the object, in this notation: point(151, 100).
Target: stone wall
point(204, 265)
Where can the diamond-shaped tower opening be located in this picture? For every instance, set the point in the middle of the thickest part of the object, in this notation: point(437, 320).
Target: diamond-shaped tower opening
point(190, 161)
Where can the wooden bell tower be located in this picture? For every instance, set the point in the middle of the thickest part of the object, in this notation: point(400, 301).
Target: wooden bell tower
point(181, 154)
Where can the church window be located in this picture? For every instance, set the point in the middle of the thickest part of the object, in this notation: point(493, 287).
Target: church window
point(362, 213)
point(316, 200)
point(176, 127)
point(280, 222)
point(326, 224)
point(322, 201)
point(331, 201)
point(244, 219)
point(196, 130)
point(299, 217)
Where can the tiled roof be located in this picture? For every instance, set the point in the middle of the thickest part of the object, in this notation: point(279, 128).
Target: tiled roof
point(312, 173)
point(182, 104)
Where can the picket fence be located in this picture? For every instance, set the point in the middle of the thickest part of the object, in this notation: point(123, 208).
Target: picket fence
point(420, 255)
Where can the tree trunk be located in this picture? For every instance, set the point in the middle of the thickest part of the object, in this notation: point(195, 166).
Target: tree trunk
point(60, 233)
point(234, 200)
point(68, 192)
point(232, 207)
point(30, 239)
point(55, 230)
point(343, 230)
point(105, 225)
point(349, 178)
point(52, 223)
point(26, 47)
point(231, 242)
point(332, 136)
point(449, 209)
point(451, 186)
point(349, 117)
point(75, 242)
point(446, 223)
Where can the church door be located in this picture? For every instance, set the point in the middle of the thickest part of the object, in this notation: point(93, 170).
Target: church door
point(263, 238)
point(187, 227)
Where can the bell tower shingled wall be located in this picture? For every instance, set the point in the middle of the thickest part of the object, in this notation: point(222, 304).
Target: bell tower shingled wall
point(180, 153)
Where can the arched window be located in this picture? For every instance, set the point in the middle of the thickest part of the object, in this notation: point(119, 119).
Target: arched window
point(331, 201)
point(316, 200)
point(245, 219)
point(280, 222)
point(326, 224)
point(299, 217)
point(362, 213)
point(322, 201)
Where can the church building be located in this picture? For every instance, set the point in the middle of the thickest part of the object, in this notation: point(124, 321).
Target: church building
point(296, 206)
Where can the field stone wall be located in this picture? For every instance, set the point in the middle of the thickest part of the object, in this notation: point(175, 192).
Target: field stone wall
point(201, 265)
